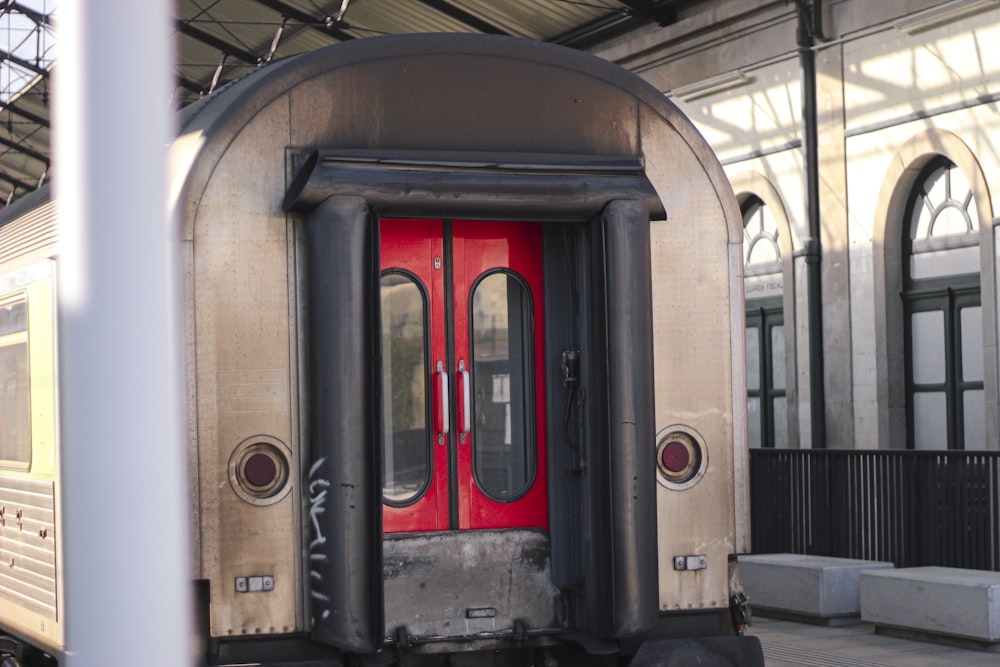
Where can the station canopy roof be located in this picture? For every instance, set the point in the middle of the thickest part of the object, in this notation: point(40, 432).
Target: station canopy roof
point(220, 40)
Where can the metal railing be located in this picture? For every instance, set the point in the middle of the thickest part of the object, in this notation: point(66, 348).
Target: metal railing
point(911, 508)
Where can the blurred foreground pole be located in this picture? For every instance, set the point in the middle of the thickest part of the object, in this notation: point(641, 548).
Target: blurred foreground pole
point(125, 539)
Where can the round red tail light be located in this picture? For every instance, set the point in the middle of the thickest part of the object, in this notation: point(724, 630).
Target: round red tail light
point(675, 457)
point(681, 457)
point(259, 470)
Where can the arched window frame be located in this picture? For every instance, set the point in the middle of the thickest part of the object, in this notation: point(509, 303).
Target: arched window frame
point(942, 288)
point(752, 184)
point(901, 176)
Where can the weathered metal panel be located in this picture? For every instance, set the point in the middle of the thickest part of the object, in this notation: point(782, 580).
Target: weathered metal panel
point(244, 377)
point(698, 351)
point(462, 99)
point(470, 584)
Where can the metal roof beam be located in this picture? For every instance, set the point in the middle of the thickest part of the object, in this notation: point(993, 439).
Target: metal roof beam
point(463, 16)
point(634, 14)
point(326, 25)
point(664, 13)
point(38, 17)
point(598, 30)
point(17, 182)
point(20, 148)
point(218, 43)
point(189, 85)
point(27, 115)
point(20, 62)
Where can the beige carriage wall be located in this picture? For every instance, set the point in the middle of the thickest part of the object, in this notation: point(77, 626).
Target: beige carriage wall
point(698, 343)
point(243, 315)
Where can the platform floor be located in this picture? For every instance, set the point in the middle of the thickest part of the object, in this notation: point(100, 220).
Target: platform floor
point(786, 643)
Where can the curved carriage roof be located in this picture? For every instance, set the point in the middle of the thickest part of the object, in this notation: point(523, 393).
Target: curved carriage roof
point(450, 93)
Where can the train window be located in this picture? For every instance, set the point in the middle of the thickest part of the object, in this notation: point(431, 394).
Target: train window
point(406, 450)
point(15, 393)
point(502, 381)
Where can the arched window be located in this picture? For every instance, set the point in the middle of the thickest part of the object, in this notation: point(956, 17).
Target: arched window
point(761, 252)
point(942, 312)
point(767, 407)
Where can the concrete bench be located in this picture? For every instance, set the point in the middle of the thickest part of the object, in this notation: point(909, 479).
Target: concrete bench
point(818, 589)
point(944, 601)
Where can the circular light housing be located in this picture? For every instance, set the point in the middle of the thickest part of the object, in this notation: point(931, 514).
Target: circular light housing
point(258, 470)
point(681, 457)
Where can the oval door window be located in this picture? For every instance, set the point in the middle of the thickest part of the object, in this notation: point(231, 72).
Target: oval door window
point(406, 449)
point(502, 381)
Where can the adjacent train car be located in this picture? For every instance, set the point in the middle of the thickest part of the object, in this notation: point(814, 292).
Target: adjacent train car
point(464, 349)
point(30, 552)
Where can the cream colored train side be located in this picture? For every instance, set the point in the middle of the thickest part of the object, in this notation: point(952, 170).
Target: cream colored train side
point(554, 469)
point(30, 548)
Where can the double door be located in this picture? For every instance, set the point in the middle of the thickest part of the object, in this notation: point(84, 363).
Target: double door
point(945, 399)
point(462, 375)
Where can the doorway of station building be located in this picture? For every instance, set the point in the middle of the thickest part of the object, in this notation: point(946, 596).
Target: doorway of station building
point(767, 405)
point(942, 312)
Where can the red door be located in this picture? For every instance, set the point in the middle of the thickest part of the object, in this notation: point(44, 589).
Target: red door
point(463, 382)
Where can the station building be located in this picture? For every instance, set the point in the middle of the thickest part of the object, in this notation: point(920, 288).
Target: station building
point(863, 142)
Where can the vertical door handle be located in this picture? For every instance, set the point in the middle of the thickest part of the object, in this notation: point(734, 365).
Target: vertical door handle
point(464, 401)
point(443, 415)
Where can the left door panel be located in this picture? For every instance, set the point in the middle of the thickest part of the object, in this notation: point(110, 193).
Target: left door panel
point(415, 402)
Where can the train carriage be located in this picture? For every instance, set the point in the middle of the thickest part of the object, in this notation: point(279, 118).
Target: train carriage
point(30, 595)
point(464, 352)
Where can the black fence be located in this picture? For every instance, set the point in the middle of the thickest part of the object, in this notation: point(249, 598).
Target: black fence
point(912, 508)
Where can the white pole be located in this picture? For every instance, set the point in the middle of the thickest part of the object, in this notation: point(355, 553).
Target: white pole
point(125, 554)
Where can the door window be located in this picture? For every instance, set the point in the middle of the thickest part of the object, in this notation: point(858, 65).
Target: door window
point(503, 360)
point(406, 455)
point(767, 412)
